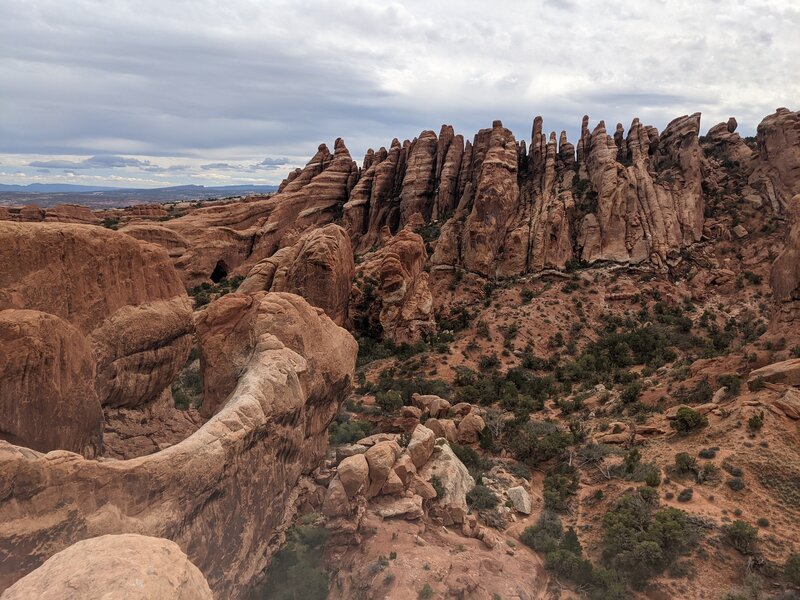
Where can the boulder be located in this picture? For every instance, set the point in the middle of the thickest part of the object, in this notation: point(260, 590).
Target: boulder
point(789, 403)
point(470, 428)
point(786, 372)
point(439, 408)
point(390, 507)
point(421, 445)
point(443, 428)
point(410, 412)
point(405, 469)
point(129, 566)
point(393, 485)
point(520, 499)
point(354, 473)
point(456, 481)
point(381, 458)
point(336, 502)
point(346, 450)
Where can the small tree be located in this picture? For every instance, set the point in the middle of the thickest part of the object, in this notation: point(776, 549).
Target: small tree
point(688, 420)
point(741, 536)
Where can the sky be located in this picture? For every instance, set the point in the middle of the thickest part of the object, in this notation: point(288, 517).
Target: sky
point(149, 93)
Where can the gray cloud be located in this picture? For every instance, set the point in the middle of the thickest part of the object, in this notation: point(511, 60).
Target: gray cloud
point(94, 162)
point(184, 96)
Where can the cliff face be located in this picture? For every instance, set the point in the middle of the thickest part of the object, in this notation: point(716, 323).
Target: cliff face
point(219, 494)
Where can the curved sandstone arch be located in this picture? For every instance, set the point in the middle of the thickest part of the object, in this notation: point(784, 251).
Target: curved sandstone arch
point(220, 493)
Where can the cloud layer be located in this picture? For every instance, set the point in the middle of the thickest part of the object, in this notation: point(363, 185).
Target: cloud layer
point(239, 91)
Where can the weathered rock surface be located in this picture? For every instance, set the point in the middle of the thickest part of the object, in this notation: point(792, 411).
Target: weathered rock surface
point(318, 266)
point(520, 498)
point(115, 567)
point(218, 494)
point(470, 428)
point(47, 395)
point(229, 239)
point(456, 481)
point(786, 372)
point(123, 295)
point(391, 294)
point(777, 175)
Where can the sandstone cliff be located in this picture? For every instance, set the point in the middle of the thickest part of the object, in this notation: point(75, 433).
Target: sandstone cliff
point(219, 494)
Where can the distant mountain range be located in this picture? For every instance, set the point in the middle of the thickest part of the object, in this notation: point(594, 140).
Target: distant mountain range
point(50, 194)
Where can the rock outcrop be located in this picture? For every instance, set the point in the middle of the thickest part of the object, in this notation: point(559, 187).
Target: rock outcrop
point(318, 266)
point(777, 175)
point(229, 239)
point(391, 294)
point(129, 566)
point(47, 395)
point(220, 493)
point(124, 296)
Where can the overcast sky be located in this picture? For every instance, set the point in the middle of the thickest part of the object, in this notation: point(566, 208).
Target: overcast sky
point(162, 92)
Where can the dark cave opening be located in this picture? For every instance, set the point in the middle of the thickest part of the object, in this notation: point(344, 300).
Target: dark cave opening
point(220, 272)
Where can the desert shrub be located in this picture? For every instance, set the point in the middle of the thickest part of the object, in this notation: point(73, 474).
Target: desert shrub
point(534, 442)
point(741, 536)
point(688, 420)
point(546, 535)
point(639, 541)
point(348, 431)
point(736, 484)
point(390, 401)
point(708, 452)
point(437, 485)
point(732, 469)
point(426, 593)
point(685, 495)
point(792, 569)
point(297, 568)
point(762, 522)
point(471, 459)
point(631, 392)
point(526, 295)
point(560, 484)
point(685, 463)
point(701, 393)
point(756, 422)
point(481, 497)
point(756, 384)
point(489, 361)
point(731, 383)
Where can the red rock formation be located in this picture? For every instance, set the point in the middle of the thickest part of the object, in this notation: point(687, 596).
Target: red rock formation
point(128, 566)
point(230, 238)
point(219, 494)
point(123, 295)
point(319, 267)
point(47, 395)
point(777, 176)
point(391, 294)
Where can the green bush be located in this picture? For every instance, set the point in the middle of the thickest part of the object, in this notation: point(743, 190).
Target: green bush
point(546, 535)
point(685, 463)
point(640, 542)
point(701, 393)
point(348, 431)
point(297, 568)
point(756, 422)
point(741, 536)
point(688, 420)
point(481, 497)
point(792, 569)
point(731, 383)
point(390, 401)
point(560, 484)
